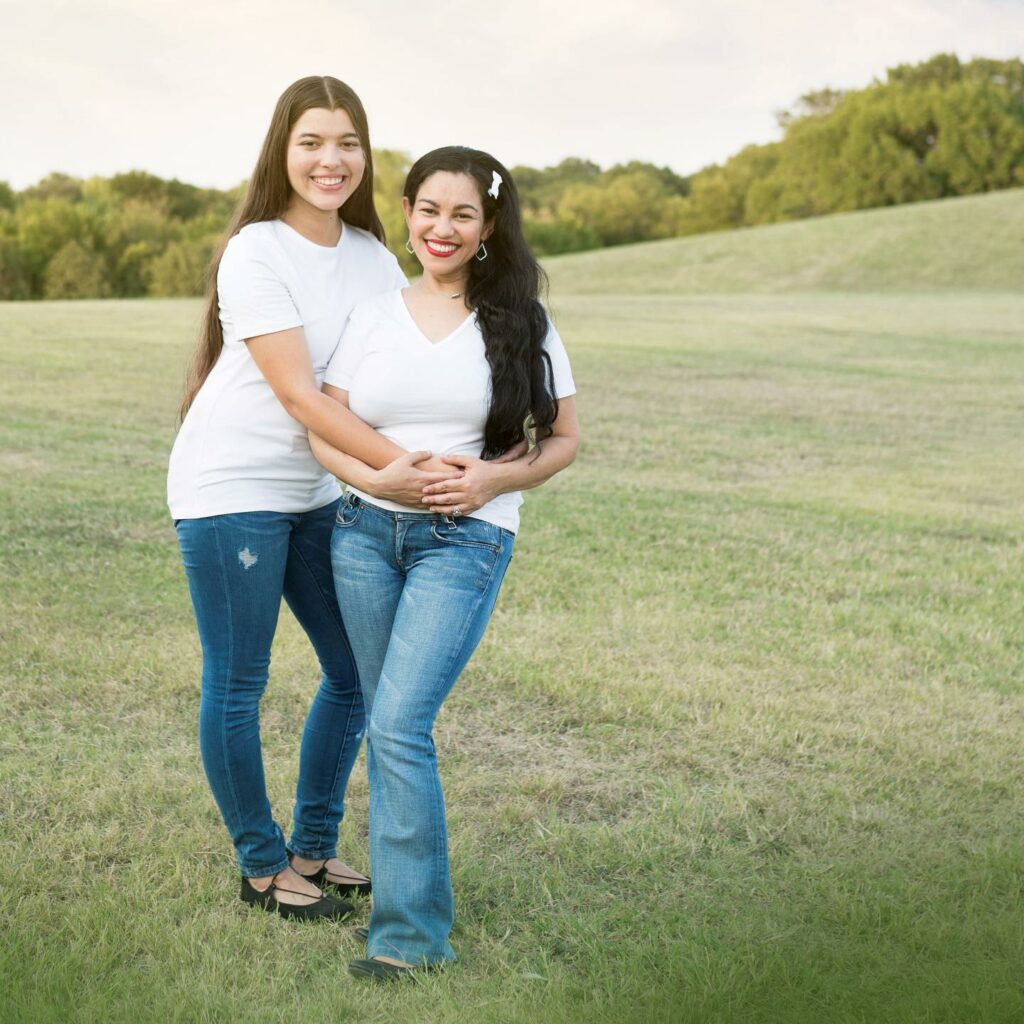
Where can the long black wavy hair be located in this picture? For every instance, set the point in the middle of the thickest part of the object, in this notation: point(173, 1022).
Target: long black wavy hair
point(504, 291)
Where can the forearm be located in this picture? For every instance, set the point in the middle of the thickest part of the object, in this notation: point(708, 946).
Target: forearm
point(549, 457)
point(402, 481)
point(345, 467)
point(343, 431)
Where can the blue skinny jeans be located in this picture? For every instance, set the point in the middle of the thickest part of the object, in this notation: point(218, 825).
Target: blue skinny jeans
point(239, 566)
point(418, 591)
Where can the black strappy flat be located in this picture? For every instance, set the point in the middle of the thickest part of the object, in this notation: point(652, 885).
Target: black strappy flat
point(381, 970)
point(378, 970)
point(326, 907)
point(319, 878)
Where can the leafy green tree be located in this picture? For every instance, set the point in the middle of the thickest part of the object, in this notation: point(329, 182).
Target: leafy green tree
point(126, 231)
point(935, 129)
point(575, 205)
point(204, 226)
point(541, 192)
point(42, 228)
point(390, 166)
point(8, 199)
point(978, 138)
point(130, 269)
point(180, 201)
point(14, 279)
point(141, 185)
point(134, 234)
point(628, 207)
point(55, 186)
point(718, 194)
point(943, 69)
point(671, 183)
point(76, 272)
point(181, 268)
point(547, 237)
point(530, 183)
point(818, 103)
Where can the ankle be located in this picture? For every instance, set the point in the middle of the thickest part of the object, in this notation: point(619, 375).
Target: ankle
point(261, 882)
point(305, 865)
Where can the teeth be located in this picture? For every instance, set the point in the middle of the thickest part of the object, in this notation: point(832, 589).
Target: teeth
point(328, 181)
point(443, 246)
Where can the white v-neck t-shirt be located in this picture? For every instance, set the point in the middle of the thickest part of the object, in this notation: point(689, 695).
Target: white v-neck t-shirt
point(238, 450)
point(425, 395)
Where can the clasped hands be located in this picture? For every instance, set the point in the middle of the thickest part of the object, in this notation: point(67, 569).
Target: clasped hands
point(444, 483)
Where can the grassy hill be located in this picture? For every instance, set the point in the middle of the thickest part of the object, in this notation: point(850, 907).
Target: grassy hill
point(965, 244)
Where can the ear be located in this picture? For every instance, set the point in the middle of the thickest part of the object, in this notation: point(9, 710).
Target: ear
point(488, 230)
point(406, 209)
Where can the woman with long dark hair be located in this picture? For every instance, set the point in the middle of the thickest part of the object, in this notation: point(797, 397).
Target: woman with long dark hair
point(464, 362)
point(253, 509)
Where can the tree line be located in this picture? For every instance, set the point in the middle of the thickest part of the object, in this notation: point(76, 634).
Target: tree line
point(136, 234)
point(934, 129)
point(931, 130)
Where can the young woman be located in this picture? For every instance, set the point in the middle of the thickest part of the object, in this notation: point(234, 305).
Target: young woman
point(253, 509)
point(463, 362)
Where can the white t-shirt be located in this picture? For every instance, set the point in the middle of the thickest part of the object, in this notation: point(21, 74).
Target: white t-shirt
point(426, 395)
point(238, 450)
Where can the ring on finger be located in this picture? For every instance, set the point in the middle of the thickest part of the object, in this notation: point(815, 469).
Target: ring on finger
point(457, 511)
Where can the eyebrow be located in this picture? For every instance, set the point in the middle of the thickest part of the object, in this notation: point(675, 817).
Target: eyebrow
point(313, 135)
point(461, 206)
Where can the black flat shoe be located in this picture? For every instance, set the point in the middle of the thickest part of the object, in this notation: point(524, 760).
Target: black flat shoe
point(324, 907)
point(362, 933)
point(378, 970)
point(319, 878)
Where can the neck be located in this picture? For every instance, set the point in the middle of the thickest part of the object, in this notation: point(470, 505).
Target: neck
point(320, 226)
point(444, 284)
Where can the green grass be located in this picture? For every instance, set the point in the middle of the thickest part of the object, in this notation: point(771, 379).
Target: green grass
point(743, 743)
point(964, 244)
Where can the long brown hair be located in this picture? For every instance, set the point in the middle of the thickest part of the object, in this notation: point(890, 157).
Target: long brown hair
point(269, 193)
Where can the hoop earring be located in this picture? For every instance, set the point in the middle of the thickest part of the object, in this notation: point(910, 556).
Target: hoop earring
point(408, 247)
point(482, 249)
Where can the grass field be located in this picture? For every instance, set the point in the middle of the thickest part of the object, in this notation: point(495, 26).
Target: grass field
point(743, 743)
point(967, 244)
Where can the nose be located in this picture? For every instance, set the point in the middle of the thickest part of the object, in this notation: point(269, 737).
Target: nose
point(330, 156)
point(443, 227)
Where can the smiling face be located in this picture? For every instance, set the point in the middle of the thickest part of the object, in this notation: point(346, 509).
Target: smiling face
point(325, 159)
point(446, 223)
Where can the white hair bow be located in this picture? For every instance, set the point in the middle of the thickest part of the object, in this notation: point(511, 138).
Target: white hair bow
point(496, 180)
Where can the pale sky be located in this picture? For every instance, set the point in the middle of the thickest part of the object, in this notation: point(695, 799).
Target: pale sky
point(185, 89)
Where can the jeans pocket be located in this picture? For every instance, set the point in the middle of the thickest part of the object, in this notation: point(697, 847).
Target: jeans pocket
point(349, 512)
point(470, 533)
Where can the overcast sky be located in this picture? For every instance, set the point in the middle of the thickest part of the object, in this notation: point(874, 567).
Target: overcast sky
point(185, 89)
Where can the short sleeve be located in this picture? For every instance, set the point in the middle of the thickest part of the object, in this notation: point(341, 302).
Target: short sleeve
point(253, 296)
point(396, 279)
point(341, 370)
point(564, 384)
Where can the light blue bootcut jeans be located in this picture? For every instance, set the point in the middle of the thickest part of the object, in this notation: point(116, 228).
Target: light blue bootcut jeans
point(418, 590)
point(239, 566)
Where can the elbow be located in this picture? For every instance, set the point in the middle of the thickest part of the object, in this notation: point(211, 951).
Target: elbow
point(564, 451)
point(572, 448)
point(319, 449)
point(295, 405)
point(572, 454)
